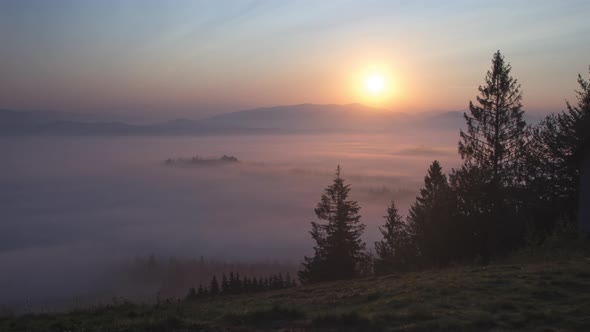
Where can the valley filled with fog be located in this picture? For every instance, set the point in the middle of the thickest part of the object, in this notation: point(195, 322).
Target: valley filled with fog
point(74, 206)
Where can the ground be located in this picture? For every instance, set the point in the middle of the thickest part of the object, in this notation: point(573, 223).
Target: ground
point(550, 295)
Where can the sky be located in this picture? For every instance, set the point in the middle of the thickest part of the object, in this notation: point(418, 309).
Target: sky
point(198, 58)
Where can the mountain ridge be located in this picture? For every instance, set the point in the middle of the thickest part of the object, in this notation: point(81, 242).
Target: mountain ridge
point(274, 119)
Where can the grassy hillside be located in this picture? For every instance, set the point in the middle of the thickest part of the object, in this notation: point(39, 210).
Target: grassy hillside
point(542, 296)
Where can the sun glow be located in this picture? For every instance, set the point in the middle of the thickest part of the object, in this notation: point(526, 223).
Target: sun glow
point(376, 84)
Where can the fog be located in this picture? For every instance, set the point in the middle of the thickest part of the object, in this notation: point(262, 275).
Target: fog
point(71, 206)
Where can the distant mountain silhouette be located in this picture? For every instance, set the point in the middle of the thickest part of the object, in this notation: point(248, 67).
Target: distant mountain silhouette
point(304, 117)
point(278, 119)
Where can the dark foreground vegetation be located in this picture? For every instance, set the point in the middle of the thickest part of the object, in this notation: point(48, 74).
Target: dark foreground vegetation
point(542, 294)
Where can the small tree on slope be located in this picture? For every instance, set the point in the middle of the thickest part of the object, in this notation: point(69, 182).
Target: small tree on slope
point(339, 250)
point(393, 251)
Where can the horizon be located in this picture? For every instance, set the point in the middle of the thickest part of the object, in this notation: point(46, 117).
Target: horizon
point(132, 118)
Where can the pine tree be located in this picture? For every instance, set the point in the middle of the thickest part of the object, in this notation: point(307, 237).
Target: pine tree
point(472, 213)
point(496, 131)
point(494, 147)
point(225, 286)
point(555, 160)
point(339, 250)
point(214, 287)
point(429, 218)
point(393, 251)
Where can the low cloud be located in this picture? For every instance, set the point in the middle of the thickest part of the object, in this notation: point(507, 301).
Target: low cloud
point(72, 207)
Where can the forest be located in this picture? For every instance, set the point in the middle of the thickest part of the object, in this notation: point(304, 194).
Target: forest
point(518, 184)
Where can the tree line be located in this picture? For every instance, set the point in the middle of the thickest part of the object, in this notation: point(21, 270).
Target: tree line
point(235, 285)
point(517, 183)
point(171, 277)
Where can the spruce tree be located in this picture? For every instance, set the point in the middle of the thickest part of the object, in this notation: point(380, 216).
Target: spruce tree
point(471, 214)
point(429, 218)
point(214, 287)
point(225, 286)
point(556, 164)
point(393, 251)
point(493, 146)
point(339, 250)
point(496, 131)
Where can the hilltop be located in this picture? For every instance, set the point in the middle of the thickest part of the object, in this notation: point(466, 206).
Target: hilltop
point(551, 295)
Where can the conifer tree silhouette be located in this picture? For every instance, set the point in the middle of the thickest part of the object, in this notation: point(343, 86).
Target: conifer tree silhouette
point(560, 144)
point(394, 250)
point(339, 249)
point(225, 286)
point(493, 148)
point(214, 287)
point(430, 219)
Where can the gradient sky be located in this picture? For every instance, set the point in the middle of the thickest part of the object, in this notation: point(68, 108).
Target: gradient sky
point(195, 58)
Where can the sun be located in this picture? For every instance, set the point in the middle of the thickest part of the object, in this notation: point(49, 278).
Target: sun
point(376, 84)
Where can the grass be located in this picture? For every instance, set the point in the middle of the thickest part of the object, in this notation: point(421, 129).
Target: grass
point(551, 295)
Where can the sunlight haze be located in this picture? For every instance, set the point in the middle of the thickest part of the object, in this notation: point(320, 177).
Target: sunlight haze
point(197, 58)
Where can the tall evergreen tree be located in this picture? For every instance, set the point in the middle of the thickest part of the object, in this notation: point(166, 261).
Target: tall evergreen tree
point(555, 160)
point(496, 130)
point(339, 250)
point(430, 217)
point(472, 213)
point(493, 146)
point(393, 251)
